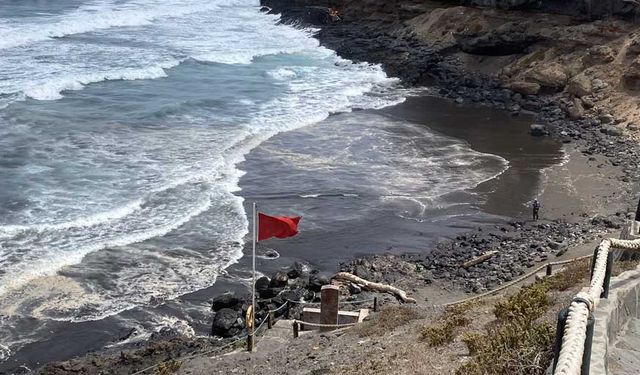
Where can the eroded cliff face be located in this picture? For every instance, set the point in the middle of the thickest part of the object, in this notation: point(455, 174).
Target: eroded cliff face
point(582, 55)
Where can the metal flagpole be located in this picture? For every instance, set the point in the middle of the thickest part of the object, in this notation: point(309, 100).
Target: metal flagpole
point(253, 285)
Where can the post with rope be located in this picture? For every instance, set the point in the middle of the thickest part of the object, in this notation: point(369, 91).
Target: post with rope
point(588, 342)
point(252, 308)
point(562, 321)
point(329, 297)
point(296, 329)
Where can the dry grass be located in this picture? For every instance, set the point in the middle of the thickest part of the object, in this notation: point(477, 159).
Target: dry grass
point(572, 275)
point(168, 367)
point(387, 319)
point(449, 324)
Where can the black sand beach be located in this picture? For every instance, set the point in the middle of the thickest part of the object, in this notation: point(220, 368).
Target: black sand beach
point(344, 213)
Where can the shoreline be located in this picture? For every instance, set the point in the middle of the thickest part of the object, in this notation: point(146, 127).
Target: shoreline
point(579, 160)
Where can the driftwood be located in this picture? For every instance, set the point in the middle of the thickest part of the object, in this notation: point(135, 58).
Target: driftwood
point(401, 294)
point(479, 259)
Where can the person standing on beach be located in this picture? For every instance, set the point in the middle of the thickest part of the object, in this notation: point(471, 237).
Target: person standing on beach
point(536, 209)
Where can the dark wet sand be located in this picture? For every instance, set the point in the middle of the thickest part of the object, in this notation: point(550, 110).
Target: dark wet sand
point(504, 197)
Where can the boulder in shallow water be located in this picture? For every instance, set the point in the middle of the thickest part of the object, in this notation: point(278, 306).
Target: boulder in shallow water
point(538, 130)
point(297, 269)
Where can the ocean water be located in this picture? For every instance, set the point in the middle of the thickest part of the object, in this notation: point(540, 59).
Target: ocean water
point(124, 125)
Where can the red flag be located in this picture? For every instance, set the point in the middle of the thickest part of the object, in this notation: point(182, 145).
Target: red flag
point(276, 226)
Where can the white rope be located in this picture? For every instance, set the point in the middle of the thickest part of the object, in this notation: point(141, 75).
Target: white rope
point(279, 308)
point(509, 284)
point(575, 329)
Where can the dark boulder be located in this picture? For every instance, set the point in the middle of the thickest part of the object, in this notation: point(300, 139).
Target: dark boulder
point(319, 15)
point(538, 130)
point(317, 281)
point(227, 300)
point(280, 279)
point(262, 283)
point(224, 322)
point(297, 269)
point(270, 292)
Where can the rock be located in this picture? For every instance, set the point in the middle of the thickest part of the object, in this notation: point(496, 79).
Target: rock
point(579, 85)
point(354, 288)
point(227, 300)
point(633, 127)
point(272, 254)
point(549, 75)
point(555, 245)
point(634, 47)
point(262, 283)
point(297, 269)
point(599, 55)
point(631, 77)
point(223, 322)
point(538, 130)
point(508, 39)
point(532, 105)
point(612, 131)
point(317, 281)
point(599, 85)
point(270, 292)
point(576, 111)
point(292, 295)
point(362, 271)
point(280, 279)
point(317, 15)
point(524, 88)
point(587, 102)
point(606, 119)
point(459, 100)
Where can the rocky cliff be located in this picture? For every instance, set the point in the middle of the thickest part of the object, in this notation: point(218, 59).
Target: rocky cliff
point(580, 57)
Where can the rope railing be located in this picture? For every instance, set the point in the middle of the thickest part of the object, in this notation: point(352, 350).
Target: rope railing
point(219, 348)
point(571, 357)
point(515, 281)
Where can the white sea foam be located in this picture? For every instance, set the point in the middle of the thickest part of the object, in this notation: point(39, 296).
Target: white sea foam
point(98, 15)
point(5, 352)
point(53, 89)
point(158, 182)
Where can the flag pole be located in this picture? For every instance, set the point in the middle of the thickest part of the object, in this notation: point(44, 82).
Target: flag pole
point(253, 284)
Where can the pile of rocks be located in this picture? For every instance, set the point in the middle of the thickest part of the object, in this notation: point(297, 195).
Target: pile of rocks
point(297, 283)
point(521, 246)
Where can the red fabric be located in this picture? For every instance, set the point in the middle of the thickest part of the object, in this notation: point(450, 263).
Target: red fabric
point(276, 226)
